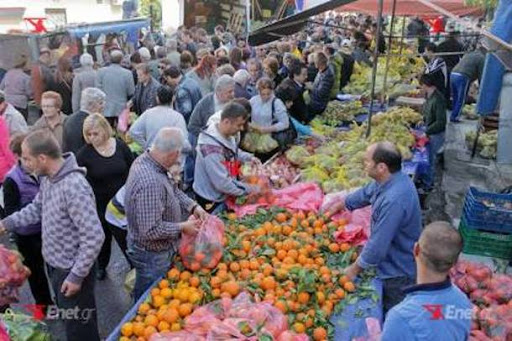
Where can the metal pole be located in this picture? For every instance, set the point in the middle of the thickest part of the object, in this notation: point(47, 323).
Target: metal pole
point(248, 19)
point(403, 34)
point(375, 63)
point(388, 57)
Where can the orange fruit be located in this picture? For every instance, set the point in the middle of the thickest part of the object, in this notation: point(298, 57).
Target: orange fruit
point(349, 286)
point(127, 329)
point(299, 327)
point(216, 293)
point(287, 230)
point(166, 293)
point(281, 305)
point(232, 216)
point(334, 247)
point(319, 334)
point(281, 217)
point(185, 309)
point(175, 327)
point(170, 315)
point(155, 292)
point(294, 223)
point(174, 304)
point(281, 254)
point(344, 247)
point(320, 297)
point(151, 320)
point(194, 281)
point(231, 287)
point(163, 326)
point(254, 264)
point(303, 297)
point(185, 276)
point(222, 266)
point(293, 254)
point(268, 283)
point(340, 293)
point(138, 328)
point(173, 274)
point(309, 322)
point(215, 282)
point(143, 308)
point(163, 284)
point(194, 297)
point(234, 267)
point(304, 223)
point(148, 331)
point(246, 245)
point(343, 279)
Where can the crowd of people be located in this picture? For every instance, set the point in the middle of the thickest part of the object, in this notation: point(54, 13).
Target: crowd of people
point(72, 180)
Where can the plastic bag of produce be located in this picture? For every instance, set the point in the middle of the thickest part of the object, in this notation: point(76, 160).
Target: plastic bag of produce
point(277, 322)
point(297, 154)
point(12, 275)
point(229, 329)
point(258, 143)
point(314, 174)
point(301, 196)
point(176, 336)
point(291, 336)
point(242, 305)
point(201, 322)
point(203, 250)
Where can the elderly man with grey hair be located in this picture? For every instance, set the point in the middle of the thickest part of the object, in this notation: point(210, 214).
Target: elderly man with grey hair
point(207, 106)
point(242, 78)
point(92, 101)
point(84, 78)
point(118, 85)
point(154, 206)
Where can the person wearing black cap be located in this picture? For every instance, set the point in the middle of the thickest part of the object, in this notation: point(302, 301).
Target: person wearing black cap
point(187, 91)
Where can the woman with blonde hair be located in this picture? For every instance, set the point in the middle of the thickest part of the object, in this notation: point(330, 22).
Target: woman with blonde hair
point(107, 160)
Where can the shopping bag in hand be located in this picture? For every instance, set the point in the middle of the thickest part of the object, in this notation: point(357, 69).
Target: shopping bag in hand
point(204, 250)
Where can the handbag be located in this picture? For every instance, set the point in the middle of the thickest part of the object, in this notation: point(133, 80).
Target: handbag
point(285, 137)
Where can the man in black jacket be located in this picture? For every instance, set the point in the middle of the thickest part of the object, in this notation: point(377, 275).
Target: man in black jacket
point(296, 80)
point(92, 101)
point(320, 92)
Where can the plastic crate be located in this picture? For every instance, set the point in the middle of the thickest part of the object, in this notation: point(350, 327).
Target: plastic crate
point(482, 216)
point(490, 244)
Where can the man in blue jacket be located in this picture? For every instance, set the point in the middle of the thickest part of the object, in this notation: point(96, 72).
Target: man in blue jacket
point(396, 222)
point(434, 309)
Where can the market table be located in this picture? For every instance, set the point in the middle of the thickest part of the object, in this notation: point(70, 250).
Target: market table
point(351, 322)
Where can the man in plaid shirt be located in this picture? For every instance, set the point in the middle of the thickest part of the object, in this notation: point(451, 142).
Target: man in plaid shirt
point(154, 208)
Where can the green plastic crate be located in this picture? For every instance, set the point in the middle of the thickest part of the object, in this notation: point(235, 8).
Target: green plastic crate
point(476, 242)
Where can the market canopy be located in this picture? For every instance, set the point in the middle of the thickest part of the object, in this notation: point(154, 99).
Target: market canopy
point(130, 27)
point(412, 8)
point(294, 23)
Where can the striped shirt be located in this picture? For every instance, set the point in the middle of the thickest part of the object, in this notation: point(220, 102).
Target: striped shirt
point(154, 206)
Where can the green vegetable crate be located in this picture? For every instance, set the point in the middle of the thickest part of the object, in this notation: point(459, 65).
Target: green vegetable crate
point(483, 243)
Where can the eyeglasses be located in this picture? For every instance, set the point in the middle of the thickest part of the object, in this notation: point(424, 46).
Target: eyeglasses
point(47, 106)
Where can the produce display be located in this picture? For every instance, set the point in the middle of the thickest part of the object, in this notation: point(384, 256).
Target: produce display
point(338, 112)
point(16, 326)
point(287, 263)
point(400, 69)
point(12, 275)
point(279, 171)
point(487, 145)
point(258, 143)
point(338, 164)
point(491, 295)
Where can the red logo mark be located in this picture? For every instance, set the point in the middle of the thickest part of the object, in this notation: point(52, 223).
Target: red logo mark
point(436, 310)
point(37, 311)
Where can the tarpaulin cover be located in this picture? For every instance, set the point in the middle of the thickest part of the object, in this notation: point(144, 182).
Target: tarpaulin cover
point(292, 24)
point(130, 27)
point(492, 78)
point(412, 8)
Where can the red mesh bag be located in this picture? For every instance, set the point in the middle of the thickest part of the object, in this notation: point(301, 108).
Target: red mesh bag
point(204, 250)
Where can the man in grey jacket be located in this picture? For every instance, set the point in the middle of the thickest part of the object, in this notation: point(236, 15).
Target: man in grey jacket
point(85, 77)
point(207, 106)
point(218, 160)
point(72, 235)
point(117, 83)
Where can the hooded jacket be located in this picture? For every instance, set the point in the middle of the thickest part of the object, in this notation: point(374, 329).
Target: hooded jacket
point(212, 180)
point(71, 230)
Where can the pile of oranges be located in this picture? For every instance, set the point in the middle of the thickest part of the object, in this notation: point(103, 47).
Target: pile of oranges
point(169, 303)
point(287, 259)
